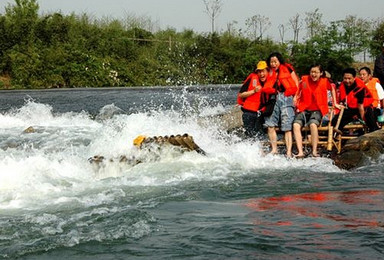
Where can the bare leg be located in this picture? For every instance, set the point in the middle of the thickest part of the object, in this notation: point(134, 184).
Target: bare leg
point(288, 142)
point(314, 138)
point(298, 138)
point(272, 139)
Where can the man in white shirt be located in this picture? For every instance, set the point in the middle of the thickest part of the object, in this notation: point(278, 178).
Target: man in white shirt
point(374, 86)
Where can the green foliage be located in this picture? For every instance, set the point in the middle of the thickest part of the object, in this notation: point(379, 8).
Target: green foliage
point(378, 39)
point(20, 20)
point(52, 29)
point(333, 48)
point(55, 50)
point(26, 64)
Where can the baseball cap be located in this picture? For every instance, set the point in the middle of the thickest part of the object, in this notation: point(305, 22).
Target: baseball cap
point(261, 65)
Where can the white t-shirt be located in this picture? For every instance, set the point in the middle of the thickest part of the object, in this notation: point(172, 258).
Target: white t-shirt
point(380, 92)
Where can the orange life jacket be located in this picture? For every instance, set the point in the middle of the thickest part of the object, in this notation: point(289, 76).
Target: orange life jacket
point(247, 82)
point(350, 99)
point(269, 85)
point(320, 92)
point(371, 85)
point(251, 103)
point(284, 78)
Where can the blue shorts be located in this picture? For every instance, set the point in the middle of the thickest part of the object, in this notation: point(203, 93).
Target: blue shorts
point(284, 111)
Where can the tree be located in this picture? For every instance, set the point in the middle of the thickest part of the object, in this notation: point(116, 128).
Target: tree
point(296, 25)
point(213, 9)
point(21, 19)
point(281, 28)
point(21, 57)
point(354, 34)
point(79, 50)
point(257, 25)
point(232, 30)
point(378, 38)
point(52, 29)
point(323, 49)
point(313, 21)
point(357, 33)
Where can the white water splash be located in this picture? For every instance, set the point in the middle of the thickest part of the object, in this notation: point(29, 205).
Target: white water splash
point(50, 166)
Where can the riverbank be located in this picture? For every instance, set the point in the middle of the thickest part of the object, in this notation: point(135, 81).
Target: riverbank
point(197, 87)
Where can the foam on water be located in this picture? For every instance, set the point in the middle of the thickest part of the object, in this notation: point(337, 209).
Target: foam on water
point(55, 204)
point(50, 166)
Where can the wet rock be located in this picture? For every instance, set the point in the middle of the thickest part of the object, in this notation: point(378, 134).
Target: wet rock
point(361, 150)
point(29, 130)
point(229, 120)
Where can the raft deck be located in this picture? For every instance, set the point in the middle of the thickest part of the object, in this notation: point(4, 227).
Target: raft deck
point(331, 137)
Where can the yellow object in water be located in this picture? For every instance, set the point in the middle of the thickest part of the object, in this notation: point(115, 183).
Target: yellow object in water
point(139, 140)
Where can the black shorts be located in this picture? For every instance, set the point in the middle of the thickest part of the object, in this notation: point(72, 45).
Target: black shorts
point(308, 117)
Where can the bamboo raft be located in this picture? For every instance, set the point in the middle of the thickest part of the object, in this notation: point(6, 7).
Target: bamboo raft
point(152, 144)
point(331, 137)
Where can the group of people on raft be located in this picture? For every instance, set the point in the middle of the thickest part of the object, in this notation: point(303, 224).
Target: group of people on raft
point(273, 96)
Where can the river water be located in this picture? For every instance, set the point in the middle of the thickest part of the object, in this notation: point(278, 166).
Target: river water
point(233, 203)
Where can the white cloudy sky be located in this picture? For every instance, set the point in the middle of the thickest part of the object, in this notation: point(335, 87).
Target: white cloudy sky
point(182, 14)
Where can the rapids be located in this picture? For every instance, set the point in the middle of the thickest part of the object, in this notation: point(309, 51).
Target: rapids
point(54, 204)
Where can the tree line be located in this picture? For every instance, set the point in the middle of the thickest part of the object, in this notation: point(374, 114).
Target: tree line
point(56, 50)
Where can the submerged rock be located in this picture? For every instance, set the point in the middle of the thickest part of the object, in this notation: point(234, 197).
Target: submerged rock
point(108, 111)
point(361, 150)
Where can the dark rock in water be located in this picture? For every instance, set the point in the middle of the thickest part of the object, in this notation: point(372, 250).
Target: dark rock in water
point(361, 150)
